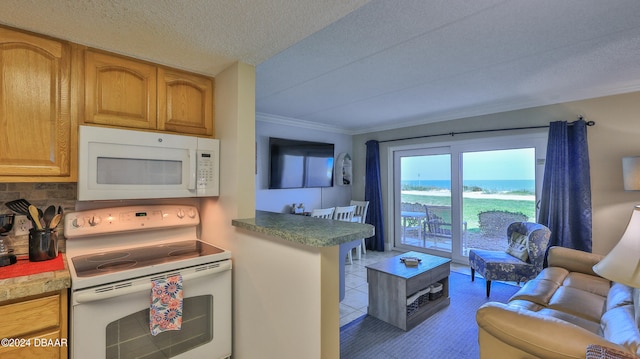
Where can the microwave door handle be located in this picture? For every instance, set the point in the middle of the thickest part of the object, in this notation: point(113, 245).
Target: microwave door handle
point(192, 170)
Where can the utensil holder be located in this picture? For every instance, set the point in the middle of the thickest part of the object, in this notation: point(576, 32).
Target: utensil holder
point(43, 244)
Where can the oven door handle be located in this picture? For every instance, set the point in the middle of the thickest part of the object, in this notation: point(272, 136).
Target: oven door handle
point(101, 294)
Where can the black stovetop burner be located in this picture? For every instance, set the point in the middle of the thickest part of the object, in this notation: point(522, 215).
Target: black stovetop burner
point(118, 260)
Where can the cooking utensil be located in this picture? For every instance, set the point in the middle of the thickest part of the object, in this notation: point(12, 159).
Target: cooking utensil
point(48, 215)
point(20, 206)
point(40, 216)
point(35, 215)
point(55, 220)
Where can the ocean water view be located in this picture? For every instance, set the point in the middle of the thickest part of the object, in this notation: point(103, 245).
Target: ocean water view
point(490, 186)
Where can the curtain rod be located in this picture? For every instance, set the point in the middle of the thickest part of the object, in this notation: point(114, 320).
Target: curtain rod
point(589, 123)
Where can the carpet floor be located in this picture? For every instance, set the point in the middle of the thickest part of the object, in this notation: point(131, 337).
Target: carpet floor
point(450, 333)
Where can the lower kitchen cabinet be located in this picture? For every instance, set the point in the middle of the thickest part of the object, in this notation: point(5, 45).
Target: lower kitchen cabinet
point(35, 327)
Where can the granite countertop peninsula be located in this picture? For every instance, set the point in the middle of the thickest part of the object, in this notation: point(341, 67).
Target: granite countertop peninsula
point(315, 232)
point(34, 284)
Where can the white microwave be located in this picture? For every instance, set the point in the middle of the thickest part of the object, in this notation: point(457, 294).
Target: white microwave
point(128, 164)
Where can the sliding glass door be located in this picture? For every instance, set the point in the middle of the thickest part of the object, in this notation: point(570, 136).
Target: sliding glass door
point(425, 199)
point(448, 199)
point(499, 188)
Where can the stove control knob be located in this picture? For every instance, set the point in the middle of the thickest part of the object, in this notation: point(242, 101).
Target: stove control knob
point(180, 213)
point(78, 222)
point(94, 221)
point(191, 213)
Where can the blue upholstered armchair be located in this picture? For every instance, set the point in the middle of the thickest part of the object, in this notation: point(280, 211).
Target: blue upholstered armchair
point(522, 260)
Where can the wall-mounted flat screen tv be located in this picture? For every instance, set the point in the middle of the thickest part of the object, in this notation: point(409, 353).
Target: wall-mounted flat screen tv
point(300, 164)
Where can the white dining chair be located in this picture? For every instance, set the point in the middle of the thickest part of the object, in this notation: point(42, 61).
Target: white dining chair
point(345, 214)
point(323, 212)
point(361, 213)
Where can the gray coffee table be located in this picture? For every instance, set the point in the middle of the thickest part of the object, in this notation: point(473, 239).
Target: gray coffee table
point(391, 282)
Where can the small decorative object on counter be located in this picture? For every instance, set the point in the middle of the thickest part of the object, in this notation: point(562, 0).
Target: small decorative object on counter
point(410, 261)
point(299, 209)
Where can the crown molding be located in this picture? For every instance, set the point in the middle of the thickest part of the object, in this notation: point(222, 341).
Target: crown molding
point(289, 121)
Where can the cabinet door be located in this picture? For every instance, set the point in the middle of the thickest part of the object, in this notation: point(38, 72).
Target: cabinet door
point(119, 91)
point(35, 123)
point(185, 102)
point(38, 327)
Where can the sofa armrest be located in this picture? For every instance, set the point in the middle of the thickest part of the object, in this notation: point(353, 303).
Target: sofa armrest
point(536, 334)
point(573, 260)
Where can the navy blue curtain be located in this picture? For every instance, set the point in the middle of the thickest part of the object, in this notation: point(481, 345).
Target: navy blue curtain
point(565, 206)
point(373, 194)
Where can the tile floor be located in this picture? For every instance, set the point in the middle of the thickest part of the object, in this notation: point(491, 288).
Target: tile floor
point(356, 298)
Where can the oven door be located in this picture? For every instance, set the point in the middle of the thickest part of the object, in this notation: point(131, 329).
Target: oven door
point(112, 321)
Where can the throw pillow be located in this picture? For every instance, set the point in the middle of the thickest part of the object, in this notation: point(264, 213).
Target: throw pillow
point(595, 351)
point(518, 246)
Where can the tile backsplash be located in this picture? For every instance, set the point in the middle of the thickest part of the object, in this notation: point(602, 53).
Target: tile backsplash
point(40, 195)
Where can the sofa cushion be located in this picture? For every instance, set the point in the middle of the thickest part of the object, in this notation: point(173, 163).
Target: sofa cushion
point(538, 291)
point(588, 283)
point(554, 274)
point(578, 302)
point(619, 326)
point(573, 260)
point(590, 325)
point(525, 304)
point(619, 295)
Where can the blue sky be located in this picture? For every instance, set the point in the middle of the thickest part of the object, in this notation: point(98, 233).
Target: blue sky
point(518, 164)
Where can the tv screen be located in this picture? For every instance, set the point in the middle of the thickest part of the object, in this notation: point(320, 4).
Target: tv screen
point(300, 164)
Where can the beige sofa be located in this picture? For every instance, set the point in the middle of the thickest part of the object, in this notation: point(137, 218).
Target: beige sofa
point(566, 308)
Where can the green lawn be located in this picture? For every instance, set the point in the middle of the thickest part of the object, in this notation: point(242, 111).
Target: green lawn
point(473, 206)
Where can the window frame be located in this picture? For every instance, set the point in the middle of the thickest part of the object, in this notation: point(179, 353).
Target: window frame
point(536, 139)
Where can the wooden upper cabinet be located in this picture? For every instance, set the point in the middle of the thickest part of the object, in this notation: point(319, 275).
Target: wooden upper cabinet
point(119, 91)
point(185, 102)
point(124, 92)
point(38, 139)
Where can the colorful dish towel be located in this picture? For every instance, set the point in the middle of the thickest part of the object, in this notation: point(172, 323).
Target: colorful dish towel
point(166, 305)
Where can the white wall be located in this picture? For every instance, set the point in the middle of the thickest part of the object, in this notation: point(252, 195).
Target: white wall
point(280, 200)
point(277, 312)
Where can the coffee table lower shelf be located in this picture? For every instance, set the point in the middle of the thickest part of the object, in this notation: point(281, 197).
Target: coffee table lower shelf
point(391, 283)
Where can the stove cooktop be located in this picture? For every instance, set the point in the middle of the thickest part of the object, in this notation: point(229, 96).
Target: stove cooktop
point(95, 264)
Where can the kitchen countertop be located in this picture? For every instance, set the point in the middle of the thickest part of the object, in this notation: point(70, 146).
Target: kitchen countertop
point(34, 284)
point(315, 232)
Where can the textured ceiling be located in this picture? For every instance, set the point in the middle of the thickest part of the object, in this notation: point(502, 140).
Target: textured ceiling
point(398, 63)
point(204, 36)
point(362, 65)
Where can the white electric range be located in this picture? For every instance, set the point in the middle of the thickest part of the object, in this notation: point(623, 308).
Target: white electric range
point(115, 253)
